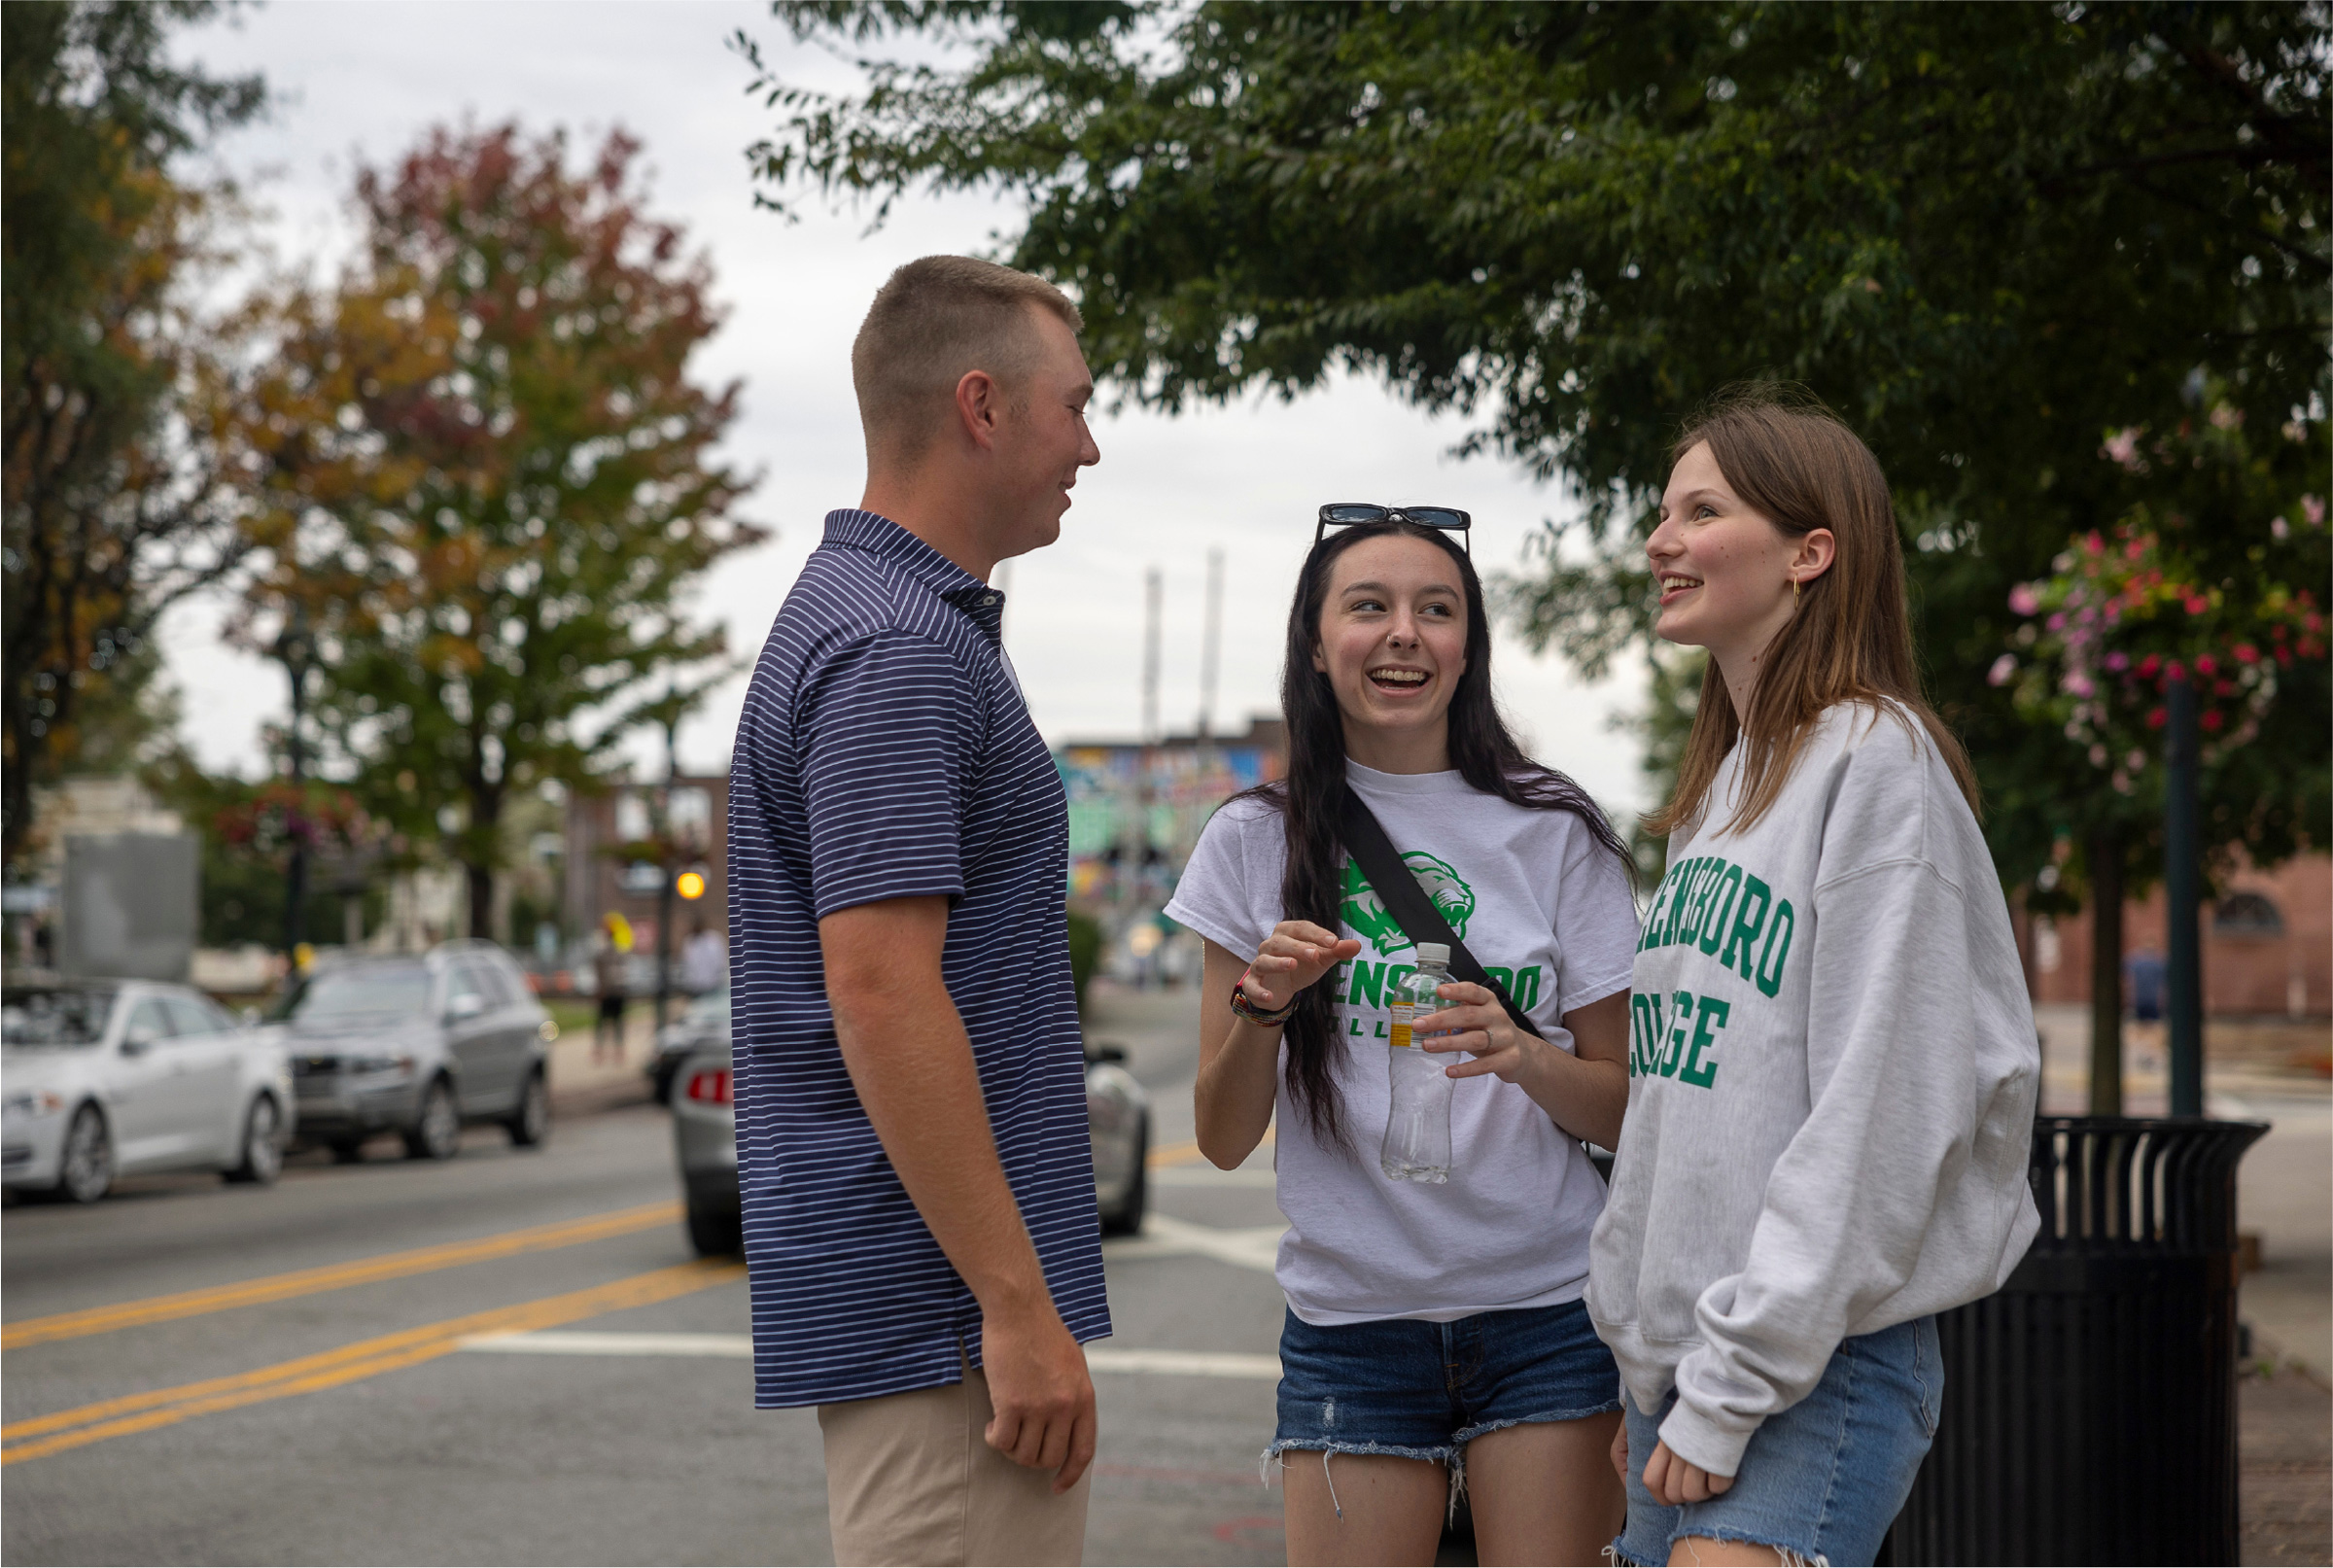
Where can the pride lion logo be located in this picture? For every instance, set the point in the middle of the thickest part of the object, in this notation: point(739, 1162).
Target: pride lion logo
point(1366, 912)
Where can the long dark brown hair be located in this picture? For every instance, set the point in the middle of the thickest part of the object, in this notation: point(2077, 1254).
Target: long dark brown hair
point(1850, 638)
point(1310, 800)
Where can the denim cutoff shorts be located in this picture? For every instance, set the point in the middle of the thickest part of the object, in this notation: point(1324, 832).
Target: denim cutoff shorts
point(1424, 1390)
point(1823, 1480)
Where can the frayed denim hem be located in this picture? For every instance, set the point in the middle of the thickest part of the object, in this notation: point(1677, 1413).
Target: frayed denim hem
point(1466, 1435)
point(1452, 1456)
point(1792, 1556)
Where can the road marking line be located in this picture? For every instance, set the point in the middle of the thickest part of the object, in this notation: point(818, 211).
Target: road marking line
point(1184, 1362)
point(734, 1347)
point(740, 1348)
point(1256, 1247)
point(334, 1277)
point(45, 1435)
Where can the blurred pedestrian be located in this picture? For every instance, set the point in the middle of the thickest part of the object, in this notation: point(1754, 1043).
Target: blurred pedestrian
point(918, 1193)
point(1435, 1338)
point(1834, 1064)
point(611, 979)
point(703, 960)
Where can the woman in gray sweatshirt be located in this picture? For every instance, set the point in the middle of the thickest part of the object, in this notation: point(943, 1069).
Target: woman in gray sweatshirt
point(1833, 1059)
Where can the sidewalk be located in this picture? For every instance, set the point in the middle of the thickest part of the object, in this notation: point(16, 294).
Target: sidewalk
point(2284, 1435)
point(580, 1086)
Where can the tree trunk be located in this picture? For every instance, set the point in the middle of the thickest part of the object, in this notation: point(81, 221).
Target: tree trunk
point(2105, 973)
point(481, 897)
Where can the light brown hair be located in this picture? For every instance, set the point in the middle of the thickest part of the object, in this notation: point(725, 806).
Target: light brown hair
point(1849, 638)
point(936, 319)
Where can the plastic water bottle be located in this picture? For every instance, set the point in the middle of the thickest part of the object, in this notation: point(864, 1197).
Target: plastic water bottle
point(1418, 1135)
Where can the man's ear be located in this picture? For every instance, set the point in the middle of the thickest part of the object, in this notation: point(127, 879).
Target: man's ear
point(980, 406)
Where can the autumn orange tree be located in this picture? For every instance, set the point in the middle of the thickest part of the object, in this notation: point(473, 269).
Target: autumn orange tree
point(114, 502)
point(489, 480)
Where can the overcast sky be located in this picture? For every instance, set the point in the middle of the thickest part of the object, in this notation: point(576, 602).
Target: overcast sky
point(358, 81)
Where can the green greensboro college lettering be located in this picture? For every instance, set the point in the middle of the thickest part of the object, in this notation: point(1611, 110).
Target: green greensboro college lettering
point(1730, 916)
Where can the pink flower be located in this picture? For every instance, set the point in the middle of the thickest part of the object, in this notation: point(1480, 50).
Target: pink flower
point(2150, 665)
point(2313, 507)
point(2206, 665)
point(2118, 662)
point(2004, 670)
point(2174, 670)
point(2279, 529)
point(2057, 622)
point(2123, 447)
point(2024, 600)
point(2078, 686)
point(2210, 719)
point(2245, 653)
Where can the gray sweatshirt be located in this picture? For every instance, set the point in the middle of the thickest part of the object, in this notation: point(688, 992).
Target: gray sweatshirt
point(1832, 1078)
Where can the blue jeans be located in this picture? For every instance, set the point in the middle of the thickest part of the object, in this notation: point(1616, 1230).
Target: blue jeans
point(1823, 1480)
point(1421, 1390)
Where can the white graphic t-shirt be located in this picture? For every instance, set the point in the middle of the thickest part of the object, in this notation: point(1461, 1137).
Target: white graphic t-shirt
point(1547, 910)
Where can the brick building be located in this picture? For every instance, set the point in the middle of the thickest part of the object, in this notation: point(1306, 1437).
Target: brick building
point(609, 847)
point(2268, 944)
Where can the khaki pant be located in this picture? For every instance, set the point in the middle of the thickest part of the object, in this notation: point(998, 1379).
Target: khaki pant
point(909, 1479)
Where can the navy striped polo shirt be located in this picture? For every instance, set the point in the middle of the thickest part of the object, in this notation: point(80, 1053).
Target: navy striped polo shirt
point(886, 752)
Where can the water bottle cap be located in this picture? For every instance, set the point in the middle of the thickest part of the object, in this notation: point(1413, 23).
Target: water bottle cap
point(1433, 953)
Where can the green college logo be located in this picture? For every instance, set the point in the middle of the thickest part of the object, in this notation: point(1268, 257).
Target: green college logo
point(1367, 915)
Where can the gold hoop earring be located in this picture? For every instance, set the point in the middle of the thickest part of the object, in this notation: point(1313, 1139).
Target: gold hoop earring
point(1793, 594)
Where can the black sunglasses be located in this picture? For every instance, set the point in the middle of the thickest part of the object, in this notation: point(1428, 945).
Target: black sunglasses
point(1346, 513)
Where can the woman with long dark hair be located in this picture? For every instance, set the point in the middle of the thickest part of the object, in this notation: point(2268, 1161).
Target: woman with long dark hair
point(1435, 1336)
point(1833, 1065)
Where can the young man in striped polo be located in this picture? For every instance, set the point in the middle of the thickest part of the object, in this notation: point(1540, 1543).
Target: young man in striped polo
point(912, 1144)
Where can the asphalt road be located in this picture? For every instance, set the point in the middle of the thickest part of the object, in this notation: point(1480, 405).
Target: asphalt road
point(513, 1358)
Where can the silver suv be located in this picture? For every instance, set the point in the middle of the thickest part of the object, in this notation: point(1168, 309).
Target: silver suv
point(417, 1045)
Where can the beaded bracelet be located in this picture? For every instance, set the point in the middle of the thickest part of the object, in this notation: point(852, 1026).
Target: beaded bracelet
point(1256, 1015)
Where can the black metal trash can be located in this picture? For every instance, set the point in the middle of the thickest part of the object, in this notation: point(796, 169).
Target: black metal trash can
point(2090, 1404)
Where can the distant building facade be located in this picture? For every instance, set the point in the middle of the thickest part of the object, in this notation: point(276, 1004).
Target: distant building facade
point(1136, 810)
point(610, 852)
point(2267, 940)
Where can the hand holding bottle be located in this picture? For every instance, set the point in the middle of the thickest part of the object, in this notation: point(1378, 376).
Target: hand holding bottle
point(1473, 1021)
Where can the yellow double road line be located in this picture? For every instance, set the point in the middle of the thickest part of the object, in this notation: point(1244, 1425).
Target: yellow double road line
point(334, 1277)
point(43, 1435)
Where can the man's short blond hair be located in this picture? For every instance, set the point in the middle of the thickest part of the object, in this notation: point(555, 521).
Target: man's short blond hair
point(936, 319)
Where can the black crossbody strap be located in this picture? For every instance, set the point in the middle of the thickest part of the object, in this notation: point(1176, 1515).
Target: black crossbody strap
point(1366, 842)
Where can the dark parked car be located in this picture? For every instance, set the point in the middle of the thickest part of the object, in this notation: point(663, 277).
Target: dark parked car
point(705, 1019)
point(417, 1045)
point(704, 1141)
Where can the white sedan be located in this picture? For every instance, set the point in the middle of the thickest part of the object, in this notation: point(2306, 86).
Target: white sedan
point(107, 1078)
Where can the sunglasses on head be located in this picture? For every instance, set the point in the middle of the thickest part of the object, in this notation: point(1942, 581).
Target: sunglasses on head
point(1346, 513)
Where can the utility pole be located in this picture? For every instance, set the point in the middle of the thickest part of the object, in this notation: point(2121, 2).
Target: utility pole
point(1153, 589)
point(664, 858)
point(2182, 878)
point(1210, 651)
point(295, 646)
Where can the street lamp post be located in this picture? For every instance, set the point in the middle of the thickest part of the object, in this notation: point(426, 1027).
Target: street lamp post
point(666, 866)
point(2182, 888)
point(296, 647)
